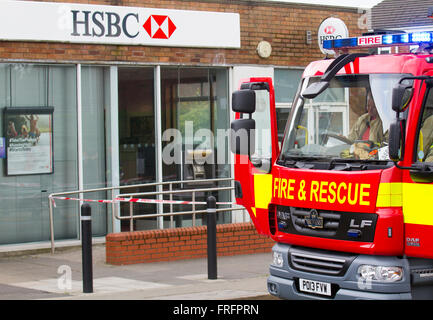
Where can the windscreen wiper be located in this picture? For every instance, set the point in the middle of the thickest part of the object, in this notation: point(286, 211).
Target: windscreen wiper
point(354, 164)
point(346, 166)
point(300, 157)
point(302, 162)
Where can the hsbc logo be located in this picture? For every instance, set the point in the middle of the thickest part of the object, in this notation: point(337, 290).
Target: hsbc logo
point(329, 29)
point(100, 24)
point(159, 27)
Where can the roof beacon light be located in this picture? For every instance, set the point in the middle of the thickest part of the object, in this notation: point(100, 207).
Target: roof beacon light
point(384, 40)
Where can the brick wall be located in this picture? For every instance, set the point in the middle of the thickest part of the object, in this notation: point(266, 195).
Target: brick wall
point(284, 25)
point(183, 243)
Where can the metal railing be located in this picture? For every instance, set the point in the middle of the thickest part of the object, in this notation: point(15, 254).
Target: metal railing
point(160, 194)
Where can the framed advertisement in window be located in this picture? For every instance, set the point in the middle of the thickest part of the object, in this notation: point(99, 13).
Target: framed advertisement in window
point(29, 140)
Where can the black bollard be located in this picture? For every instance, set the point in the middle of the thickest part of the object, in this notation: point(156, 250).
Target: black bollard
point(86, 247)
point(211, 239)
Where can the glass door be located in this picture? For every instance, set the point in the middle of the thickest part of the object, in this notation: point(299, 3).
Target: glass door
point(137, 139)
point(194, 123)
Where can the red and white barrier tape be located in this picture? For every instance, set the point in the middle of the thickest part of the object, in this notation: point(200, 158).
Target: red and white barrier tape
point(156, 201)
point(77, 199)
point(135, 200)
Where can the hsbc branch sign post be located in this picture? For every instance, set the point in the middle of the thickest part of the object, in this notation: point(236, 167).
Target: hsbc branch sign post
point(81, 23)
point(330, 29)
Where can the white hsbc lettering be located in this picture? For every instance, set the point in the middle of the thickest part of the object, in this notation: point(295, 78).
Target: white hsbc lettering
point(104, 24)
point(329, 37)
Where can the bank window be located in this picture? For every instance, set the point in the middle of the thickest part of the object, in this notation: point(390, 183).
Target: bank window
point(24, 207)
point(286, 84)
point(195, 101)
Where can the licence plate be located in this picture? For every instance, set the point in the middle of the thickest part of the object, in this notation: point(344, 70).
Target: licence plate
point(317, 287)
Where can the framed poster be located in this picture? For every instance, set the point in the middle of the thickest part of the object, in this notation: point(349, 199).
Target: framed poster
point(2, 147)
point(29, 140)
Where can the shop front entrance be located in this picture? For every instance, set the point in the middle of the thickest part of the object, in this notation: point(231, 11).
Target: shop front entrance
point(194, 117)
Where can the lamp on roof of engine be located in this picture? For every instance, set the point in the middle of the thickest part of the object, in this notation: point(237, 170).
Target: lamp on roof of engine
point(379, 40)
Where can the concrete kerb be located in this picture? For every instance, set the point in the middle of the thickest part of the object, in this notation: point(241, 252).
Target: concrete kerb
point(17, 250)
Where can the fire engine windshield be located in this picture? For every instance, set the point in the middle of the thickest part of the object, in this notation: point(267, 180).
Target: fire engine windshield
point(346, 122)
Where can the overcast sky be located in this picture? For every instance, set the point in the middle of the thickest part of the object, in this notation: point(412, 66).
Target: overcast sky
point(344, 3)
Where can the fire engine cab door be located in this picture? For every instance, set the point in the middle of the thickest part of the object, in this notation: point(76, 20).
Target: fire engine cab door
point(417, 186)
point(253, 171)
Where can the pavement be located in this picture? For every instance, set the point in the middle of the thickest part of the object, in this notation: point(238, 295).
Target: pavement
point(58, 276)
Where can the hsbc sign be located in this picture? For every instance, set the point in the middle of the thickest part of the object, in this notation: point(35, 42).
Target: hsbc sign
point(111, 24)
point(81, 23)
point(330, 29)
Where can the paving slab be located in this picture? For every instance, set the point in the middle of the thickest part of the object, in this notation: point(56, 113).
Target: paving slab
point(59, 276)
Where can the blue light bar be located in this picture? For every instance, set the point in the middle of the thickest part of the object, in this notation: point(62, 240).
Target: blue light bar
point(385, 40)
point(421, 37)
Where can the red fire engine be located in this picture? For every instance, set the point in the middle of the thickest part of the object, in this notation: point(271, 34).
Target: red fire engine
point(347, 193)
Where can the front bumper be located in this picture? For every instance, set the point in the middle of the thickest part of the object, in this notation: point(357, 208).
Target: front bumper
point(346, 283)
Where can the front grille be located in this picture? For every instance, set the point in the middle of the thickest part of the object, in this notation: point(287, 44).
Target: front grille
point(341, 225)
point(320, 261)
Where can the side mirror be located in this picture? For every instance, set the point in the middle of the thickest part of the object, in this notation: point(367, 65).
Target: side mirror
point(395, 140)
point(315, 89)
point(401, 96)
point(242, 136)
point(244, 101)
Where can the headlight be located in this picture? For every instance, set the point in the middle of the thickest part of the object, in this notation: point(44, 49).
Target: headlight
point(380, 273)
point(277, 259)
